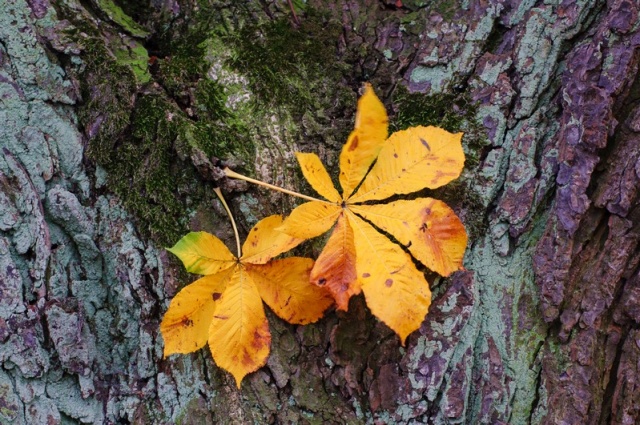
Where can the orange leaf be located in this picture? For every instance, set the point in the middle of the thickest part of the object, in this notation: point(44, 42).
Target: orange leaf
point(433, 233)
point(284, 286)
point(335, 268)
point(356, 256)
point(365, 141)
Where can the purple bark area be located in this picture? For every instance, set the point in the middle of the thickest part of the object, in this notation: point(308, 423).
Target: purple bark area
point(586, 262)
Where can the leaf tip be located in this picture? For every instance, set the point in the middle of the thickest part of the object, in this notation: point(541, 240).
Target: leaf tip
point(238, 378)
point(167, 352)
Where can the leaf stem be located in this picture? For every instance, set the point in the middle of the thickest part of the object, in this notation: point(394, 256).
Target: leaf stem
point(233, 174)
point(233, 222)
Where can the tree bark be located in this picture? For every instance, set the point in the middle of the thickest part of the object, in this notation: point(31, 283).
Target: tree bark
point(114, 116)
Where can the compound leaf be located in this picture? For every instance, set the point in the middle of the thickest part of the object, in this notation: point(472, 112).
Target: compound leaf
point(225, 308)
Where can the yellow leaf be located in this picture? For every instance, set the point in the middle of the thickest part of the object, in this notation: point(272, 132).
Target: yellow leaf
point(335, 268)
point(364, 142)
point(412, 160)
point(203, 253)
point(284, 286)
point(239, 336)
point(430, 229)
point(225, 307)
point(310, 220)
point(265, 242)
point(185, 325)
point(317, 176)
point(396, 292)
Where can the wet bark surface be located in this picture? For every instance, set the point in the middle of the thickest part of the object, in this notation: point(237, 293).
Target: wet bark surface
point(106, 112)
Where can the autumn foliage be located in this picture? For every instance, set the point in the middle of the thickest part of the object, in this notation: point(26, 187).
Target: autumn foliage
point(358, 257)
point(375, 236)
point(224, 308)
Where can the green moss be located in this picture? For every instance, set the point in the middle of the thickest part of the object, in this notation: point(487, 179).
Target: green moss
point(136, 145)
point(446, 8)
point(210, 100)
point(107, 109)
point(289, 67)
point(144, 144)
point(145, 172)
point(117, 15)
point(184, 64)
point(135, 56)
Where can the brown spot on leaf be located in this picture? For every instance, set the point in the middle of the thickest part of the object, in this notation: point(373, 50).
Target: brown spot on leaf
point(425, 144)
point(221, 317)
point(366, 274)
point(354, 143)
point(397, 270)
point(395, 155)
point(186, 322)
point(388, 283)
point(440, 175)
point(216, 296)
point(424, 227)
point(258, 339)
point(247, 360)
point(322, 281)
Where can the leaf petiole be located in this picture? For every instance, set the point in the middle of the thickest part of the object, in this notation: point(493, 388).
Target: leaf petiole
point(233, 222)
point(233, 174)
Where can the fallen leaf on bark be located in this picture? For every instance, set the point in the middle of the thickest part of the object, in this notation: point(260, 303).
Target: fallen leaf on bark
point(224, 308)
point(358, 257)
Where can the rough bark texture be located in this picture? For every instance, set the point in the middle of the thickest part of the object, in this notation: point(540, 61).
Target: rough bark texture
point(112, 116)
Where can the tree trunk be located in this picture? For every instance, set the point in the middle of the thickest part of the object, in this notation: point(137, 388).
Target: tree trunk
point(112, 119)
